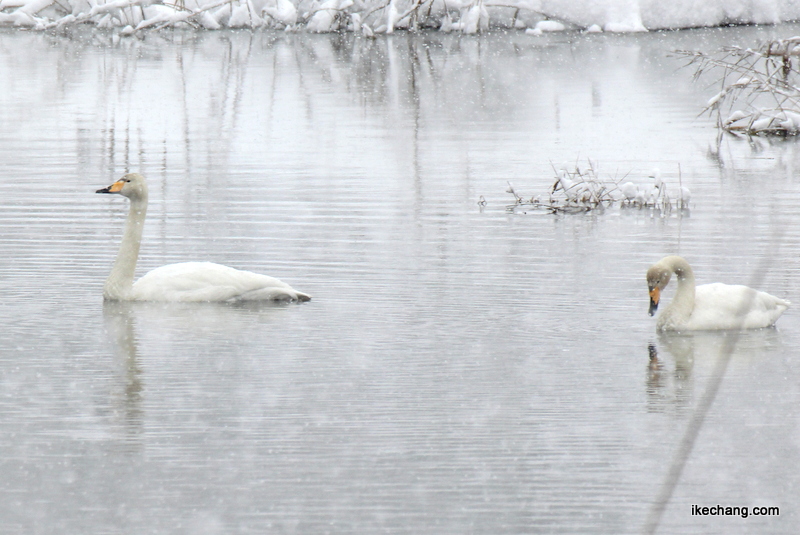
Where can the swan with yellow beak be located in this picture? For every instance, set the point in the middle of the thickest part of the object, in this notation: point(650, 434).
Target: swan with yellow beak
point(708, 307)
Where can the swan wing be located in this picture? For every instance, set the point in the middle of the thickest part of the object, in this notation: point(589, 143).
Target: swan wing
point(725, 306)
point(206, 281)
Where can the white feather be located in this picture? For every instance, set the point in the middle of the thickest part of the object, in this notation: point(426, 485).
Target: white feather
point(206, 281)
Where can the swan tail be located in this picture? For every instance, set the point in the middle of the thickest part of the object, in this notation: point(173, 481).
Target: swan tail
point(273, 294)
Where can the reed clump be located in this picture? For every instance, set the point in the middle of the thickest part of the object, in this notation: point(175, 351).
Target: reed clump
point(759, 88)
point(579, 190)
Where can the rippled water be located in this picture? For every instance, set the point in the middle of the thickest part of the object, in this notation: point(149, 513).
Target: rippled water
point(460, 369)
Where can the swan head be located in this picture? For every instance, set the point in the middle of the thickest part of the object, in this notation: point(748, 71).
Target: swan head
point(131, 185)
point(657, 278)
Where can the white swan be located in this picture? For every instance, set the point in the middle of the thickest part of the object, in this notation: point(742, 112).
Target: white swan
point(187, 281)
point(710, 306)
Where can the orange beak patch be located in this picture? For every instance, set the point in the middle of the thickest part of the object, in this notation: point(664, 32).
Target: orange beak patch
point(655, 295)
point(116, 187)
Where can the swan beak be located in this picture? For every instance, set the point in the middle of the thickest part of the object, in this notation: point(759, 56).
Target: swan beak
point(113, 188)
point(655, 294)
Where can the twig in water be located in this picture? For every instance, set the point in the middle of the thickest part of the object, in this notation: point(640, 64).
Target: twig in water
point(583, 190)
point(759, 92)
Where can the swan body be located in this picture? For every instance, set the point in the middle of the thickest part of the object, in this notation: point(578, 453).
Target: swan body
point(184, 282)
point(714, 306)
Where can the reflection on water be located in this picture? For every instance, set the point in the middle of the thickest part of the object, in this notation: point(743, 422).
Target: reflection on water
point(672, 378)
point(172, 321)
point(127, 399)
point(460, 369)
point(669, 382)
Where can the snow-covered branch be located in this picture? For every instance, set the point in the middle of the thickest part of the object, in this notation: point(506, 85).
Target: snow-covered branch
point(759, 88)
point(536, 17)
point(321, 16)
point(577, 190)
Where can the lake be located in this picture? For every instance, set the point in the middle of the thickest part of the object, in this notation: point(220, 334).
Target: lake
point(462, 367)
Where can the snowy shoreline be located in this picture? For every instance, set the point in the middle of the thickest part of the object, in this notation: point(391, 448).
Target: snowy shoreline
point(369, 17)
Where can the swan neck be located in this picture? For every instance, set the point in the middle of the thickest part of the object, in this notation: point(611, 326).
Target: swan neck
point(682, 305)
point(120, 280)
point(686, 291)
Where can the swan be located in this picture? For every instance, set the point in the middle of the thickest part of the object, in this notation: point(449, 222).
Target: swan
point(184, 282)
point(714, 306)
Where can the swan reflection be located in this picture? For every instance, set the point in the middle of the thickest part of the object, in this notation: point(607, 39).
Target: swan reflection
point(127, 394)
point(146, 339)
point(678, 361)
point(668, 383)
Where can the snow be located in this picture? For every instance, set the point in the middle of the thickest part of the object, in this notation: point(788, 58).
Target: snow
point(475, 18)
point(629, 190)
point(550, 26)
point(713, 101)
point(392, 16)
point(686, 195)
point(284, 12)
point(467, 16)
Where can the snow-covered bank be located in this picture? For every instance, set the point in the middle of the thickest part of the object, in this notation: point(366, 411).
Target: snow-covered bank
point(386, 16)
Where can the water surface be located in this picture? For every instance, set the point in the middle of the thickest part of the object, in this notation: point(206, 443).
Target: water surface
point(460, 369)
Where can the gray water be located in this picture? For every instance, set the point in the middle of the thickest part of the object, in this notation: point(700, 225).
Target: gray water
point(460, 368)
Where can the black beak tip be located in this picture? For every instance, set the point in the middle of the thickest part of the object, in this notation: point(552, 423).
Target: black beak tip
point(103, 190)
point(653, 308)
